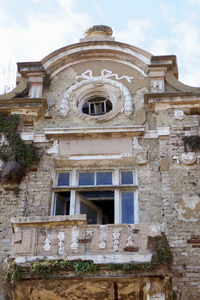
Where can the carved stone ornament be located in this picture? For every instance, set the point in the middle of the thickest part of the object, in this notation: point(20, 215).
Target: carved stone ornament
point(87, 79)
point(179, 114)
point(130, 239)
point(74, 240)
point(61, 238)
point(103, 237)
point(188, 158)
point(137, 148)
point(88, 235)
point(139, 152)
point(157, 86)
point(47, 243)
point(116, 240)
point(54, 149)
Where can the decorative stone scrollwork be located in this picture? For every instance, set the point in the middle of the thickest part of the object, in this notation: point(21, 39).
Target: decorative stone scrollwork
point(188, 158)
point(54, 149)
point(47, 242)
point(116, 240)
point(104, 74)
point(104, 83)
point(137, 148)
point(61, 238)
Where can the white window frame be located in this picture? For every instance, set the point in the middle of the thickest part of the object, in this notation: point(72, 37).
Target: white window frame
point(116, 186)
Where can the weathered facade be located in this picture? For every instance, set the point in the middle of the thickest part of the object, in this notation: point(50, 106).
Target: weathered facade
point(117, 137)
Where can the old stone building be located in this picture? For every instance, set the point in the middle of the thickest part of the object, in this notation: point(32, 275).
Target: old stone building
point(101, 187)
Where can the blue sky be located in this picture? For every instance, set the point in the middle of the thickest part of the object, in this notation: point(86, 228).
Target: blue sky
point(31, 29)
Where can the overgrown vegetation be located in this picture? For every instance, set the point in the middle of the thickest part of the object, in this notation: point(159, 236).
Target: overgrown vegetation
point(162, 256)
point(47, 268)
point(17, 156)
point(12, 273)
point(163, 253)
point(191, 143)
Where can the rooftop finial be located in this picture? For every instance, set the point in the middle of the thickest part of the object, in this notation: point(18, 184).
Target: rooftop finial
point(99, 30)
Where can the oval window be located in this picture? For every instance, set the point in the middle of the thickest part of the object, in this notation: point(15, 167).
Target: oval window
point(97, 106)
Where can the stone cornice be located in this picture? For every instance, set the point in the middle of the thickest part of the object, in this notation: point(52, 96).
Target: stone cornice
point(26, 106)
point(163, 101)
point(80, 131)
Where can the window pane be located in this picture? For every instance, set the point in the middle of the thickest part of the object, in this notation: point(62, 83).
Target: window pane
point(127, 177)
point(104, 178)
point(86, 178)
point(90, 212)
point(63, 179)
point(127, 208)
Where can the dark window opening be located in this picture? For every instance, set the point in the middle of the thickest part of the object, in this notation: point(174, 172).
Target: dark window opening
point(62, 203)
point(103, 202)
point(97, 106)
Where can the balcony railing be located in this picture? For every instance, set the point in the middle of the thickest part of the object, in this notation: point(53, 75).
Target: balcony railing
point(69, 237)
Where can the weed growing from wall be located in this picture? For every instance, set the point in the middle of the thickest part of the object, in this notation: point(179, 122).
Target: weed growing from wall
point(17, 156)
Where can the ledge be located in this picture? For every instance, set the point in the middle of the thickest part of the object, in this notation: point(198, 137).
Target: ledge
point(162, 101)
point(116, 130)
point(24, 106)
point(68, 220)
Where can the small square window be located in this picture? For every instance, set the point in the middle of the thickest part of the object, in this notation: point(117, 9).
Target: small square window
point(86, 178)
point(126, 177)
point(63, 179)
point(104, 178)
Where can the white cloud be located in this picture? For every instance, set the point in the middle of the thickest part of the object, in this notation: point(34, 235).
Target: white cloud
point(160, 46)
point(136, 32)
point(42, 34)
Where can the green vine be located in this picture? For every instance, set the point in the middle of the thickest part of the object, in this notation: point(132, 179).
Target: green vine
point(47, 268)
point(17, 156)
point(163, 253)
point(192, 141)
point(162, 256)
point(12, 273)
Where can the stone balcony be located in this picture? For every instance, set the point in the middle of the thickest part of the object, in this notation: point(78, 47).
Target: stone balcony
point(70, 238)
